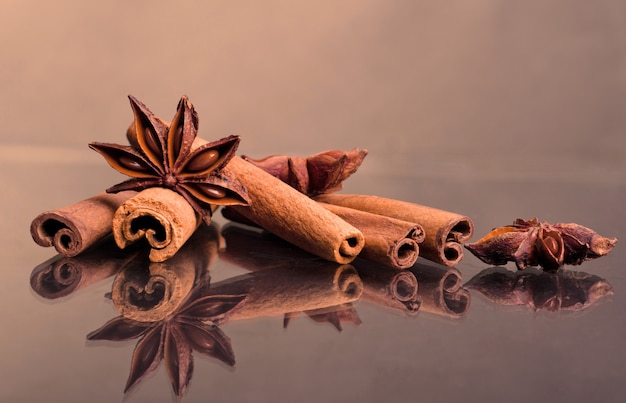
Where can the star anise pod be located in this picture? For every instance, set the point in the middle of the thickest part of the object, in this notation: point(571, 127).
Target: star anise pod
point(193, 327)
point(161, 155)
point(534, 243)
point(314, 175)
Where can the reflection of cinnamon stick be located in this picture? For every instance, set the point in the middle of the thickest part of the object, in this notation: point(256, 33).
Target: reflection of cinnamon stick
point(61, 276)
point(441, 291)
point(389, 288)
point(287, 213)
point(445, 231)
point(286, 290)
point(150, 291)
point(74, 228)
point(160, 216)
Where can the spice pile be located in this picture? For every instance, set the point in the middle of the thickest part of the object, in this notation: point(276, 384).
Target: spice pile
point(179, 180)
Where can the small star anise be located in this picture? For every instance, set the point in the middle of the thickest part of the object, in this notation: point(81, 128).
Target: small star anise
point(161, 155)
point(534, 243)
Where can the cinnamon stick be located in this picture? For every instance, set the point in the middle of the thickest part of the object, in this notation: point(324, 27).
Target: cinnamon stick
point(389, 241)
point(161, 217)
point(445, 231)
point(74, 228)
point(441, 291)
point(294, 217)
point(289, 214)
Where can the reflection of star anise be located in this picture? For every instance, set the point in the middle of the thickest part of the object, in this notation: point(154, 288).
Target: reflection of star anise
point(335, 315)
point(534, 243)
point(192, 327)
point(560, 291)
point(161, 155)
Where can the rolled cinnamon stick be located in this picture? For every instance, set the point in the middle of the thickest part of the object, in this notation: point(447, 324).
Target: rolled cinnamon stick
point(441, 291)
point(445, 231)
point(294, 217)
point(74, 228)
point(289, 214)
point(388, 241)
point(389, 288)
point(159, 216)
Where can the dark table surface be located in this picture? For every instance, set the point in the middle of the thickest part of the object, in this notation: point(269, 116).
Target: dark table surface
point(495, 110)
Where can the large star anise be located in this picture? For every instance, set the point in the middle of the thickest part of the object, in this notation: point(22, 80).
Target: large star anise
point(161, 155)
point(535, 243)
point(193, 327)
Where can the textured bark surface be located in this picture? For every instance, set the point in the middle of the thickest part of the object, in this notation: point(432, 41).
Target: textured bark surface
point(160, 216)
point(389, 241)
point(445, 231)
point(76, 227)
point(294, 217)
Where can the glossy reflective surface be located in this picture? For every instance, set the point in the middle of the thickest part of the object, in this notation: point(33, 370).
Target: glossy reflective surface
point(495, 111)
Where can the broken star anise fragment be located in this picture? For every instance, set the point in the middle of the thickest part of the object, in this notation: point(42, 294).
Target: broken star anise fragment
point(535, 243)
point(161, 155)
point(314, 175)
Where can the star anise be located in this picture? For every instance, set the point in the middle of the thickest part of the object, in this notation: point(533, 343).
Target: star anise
point(161, 155)
point(193, 327)
point(535, 243)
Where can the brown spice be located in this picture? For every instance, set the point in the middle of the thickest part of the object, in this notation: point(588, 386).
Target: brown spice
point(534, 243)
point(294, 217)
point(444, 231)
point(73, 229)
point(159, 216)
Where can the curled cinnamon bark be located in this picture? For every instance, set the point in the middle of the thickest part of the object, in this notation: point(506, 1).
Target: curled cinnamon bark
point(294, 217)
point(445, 231)
point(441, 291)
point(388, 241)
point(73, 229)
point(161, 217)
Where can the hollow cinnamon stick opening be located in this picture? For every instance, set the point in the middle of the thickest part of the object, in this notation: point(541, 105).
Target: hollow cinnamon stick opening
point(74, 228)
point(161, 217)
point(294, 217)
point(445, 231)
point(389, 241)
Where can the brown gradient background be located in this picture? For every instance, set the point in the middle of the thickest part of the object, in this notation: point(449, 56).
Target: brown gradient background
point(494, 109)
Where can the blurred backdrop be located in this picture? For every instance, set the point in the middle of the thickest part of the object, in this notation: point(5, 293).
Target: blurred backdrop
point(480, 88)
